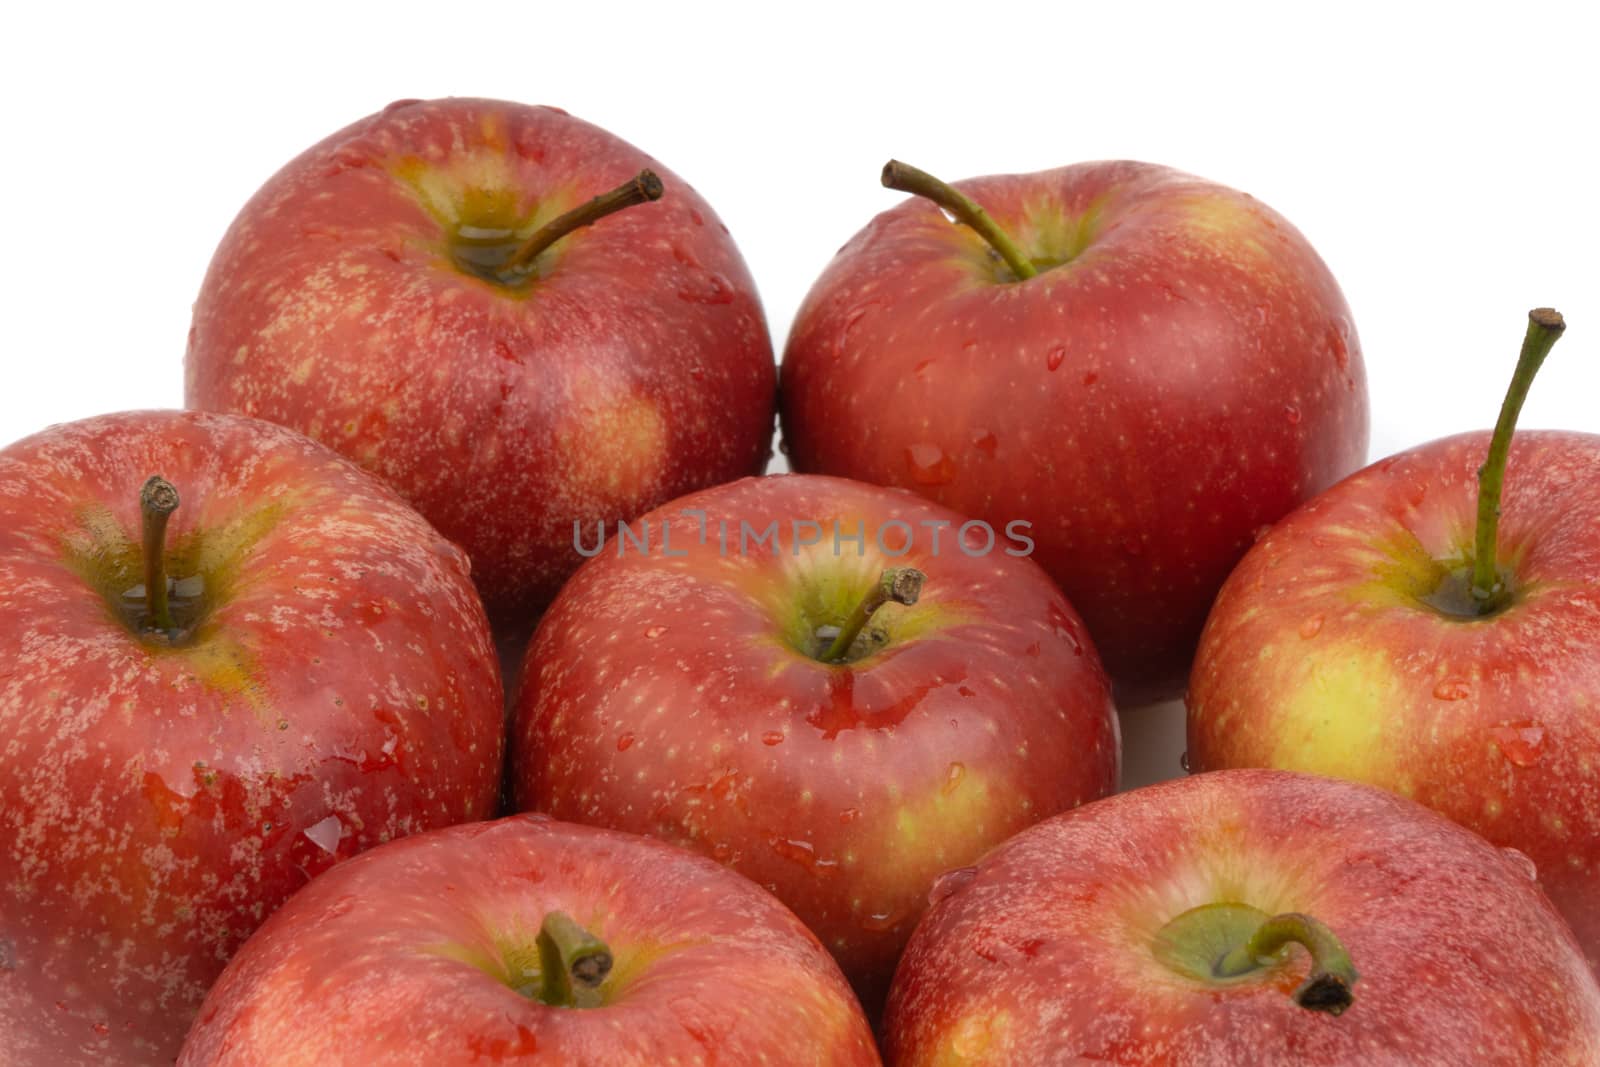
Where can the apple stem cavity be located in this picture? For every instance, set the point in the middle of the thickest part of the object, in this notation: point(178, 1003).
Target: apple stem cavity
point(572, 963)
point(1326, 988)
point(902, 585)
point(1545, 326)
point(641, 188)
point(157, 501)
point(908, 179)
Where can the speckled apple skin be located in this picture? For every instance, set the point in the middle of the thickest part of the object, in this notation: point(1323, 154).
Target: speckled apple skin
point(397, 958)
point(637, 368)
point(1042, 955)
point(155, 803)
point(1192, 375)
point(1316, 658)
point(661, 695)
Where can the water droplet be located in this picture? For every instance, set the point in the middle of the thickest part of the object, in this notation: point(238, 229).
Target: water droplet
point(920, 367)
point(624, 742)
point(712, 288)
point(772, 737)
point(803, 853)
point(878, 922)
point(1183, 761)
point(1311, 627)
point(696, 218)
point(1263, 313)
point(849, 815)
point(101, 1028)
point(1417, 494)
point(1260, 531)
point(655, 631)
point(950, 883)
point(929, 465)
point(398, 104)
point(326, 834)
point(1522, 743)
point(1523, 862)
point(965, 691)
point(984, 441)
point(1292, 413)
point(1090, 377)
point(952, 778)
point(1452, 689)
point(1053, 358)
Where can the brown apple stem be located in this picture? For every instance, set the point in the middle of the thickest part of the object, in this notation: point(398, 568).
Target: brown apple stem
point(903, 585)
point(639, 189)
point(572, 963)
point(908, 179)
point(157, 501)
point(1326, 988)
point(1545, 326)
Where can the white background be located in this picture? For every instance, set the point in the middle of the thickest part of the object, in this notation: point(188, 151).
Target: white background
point(1439, 156)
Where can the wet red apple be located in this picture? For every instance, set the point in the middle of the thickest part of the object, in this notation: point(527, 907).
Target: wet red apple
point(228, 659)
point(439, 292)
point(769, 704)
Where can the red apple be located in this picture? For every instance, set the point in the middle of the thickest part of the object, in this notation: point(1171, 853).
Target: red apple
point(1244, 917)
point(528, 941)
point(323, 681)
point(1348, 643)
point(683, 693)
point(366, 296)
point(1180, 371)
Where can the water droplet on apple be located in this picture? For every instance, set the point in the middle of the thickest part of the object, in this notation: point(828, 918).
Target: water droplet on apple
point(1311, 627)
point(1291, 413)
point(1452, 689)
point(326, 834)
point(1522, 743)
point(655, 631)
point(1090, 377)
point(929, 465)
point(772, 737)
point(984, 441)
point(1183, 761)
point(849, 815)
point(696, 218)
point(398, 104)
point(101, 1028)
point(1261, 531)
point(1263, 313)
point(950, 883)
point(624, 742)
point(920, 367)
point(713, 288)
point(1053, 358)
point(1523, 862)
point(952, 778)
point(878, 922)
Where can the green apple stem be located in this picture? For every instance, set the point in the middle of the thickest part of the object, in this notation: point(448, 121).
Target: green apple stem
point(1545, 326)
point(157, 501)
point(572, 963)
point(1326, 988)
point(908, 179)
point(903, 585)
point(641, 188)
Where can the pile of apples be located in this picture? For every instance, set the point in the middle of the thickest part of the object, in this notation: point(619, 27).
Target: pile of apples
point(813, 768)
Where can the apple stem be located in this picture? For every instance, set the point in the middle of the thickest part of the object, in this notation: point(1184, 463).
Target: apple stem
point(903, 585)
point(908, 179)
point(1326, 988)
point(572, 963)
point(1545, 326)
point(157, 501)
point(639, 189)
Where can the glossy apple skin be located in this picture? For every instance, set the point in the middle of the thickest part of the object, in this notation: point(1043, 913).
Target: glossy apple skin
point(637, 368)
point(1191, 375)
point(157, 803)
point(1318, 658)
point(1042, 954)
point(400, 958)
point(667, 696)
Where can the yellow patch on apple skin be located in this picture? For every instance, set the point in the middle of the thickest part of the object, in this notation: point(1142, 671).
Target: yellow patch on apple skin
point(969, 1040)
point(948, 826)
point(616, 447)
point(1334, 720)
point(1227, 222)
